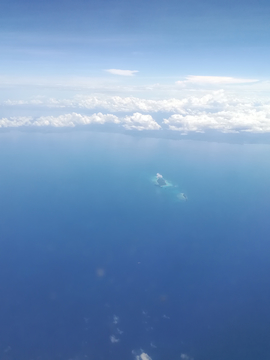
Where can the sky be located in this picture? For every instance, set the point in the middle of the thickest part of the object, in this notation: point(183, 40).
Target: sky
point(72, 58)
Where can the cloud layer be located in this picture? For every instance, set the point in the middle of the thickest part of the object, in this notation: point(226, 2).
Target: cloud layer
point(212, 111)
point(135, 122)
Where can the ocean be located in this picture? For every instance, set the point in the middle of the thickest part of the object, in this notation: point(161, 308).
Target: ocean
point(98, 262)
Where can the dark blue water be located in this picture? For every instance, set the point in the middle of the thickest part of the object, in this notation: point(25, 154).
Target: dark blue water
point(91, 250)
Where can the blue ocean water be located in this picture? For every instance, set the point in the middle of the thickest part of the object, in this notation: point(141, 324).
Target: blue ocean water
point(99, 263)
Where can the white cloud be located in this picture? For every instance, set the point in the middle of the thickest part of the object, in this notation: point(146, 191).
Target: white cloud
point(235, 120)
point(214, 80)
point(66, 120)
point(15, 122)
point(213, 100)
point(114, 339)
point(71, 120)
point(122, 72)
point(140, 122)
point(129, 104)
point(115, 319)
point(215, 110)
point(143, 356)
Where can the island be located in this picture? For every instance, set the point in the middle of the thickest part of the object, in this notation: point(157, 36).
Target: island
point(160, 180)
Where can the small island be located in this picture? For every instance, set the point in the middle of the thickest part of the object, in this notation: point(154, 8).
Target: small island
point(160, 180)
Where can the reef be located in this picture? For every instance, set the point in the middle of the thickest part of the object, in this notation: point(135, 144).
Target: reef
point(182, 197)
point(160, 181)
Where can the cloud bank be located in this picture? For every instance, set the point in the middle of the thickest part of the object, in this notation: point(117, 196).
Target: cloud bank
point(216, 100)
point(212, 111)
point(135, 122)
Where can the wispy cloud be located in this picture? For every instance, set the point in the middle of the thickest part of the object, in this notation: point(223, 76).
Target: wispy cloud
point(214, 80)
point(185, 357)
point(143, 356)
point(114, 339)
point(122, 72)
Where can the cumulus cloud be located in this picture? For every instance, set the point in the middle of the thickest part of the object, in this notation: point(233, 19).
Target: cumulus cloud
point(214, 80)
point(136, 121)
point(129, 104)
point(15, 122)
point(66, 120)
point(216, 110)
point(71, 120)
point(227, 121)
point(140, 122)
point(122, 72)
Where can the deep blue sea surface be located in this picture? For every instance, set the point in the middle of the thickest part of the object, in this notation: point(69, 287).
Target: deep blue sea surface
point(96, 262)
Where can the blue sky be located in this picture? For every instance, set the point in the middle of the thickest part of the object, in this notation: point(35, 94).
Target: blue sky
point(157, 38)
point(54, 52)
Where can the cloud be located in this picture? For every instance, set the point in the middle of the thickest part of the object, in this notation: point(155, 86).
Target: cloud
point(122, 72)
point(234, 120)
point(216, 110)
point(214, 80)
point(212, 100)
point(66, 120)
point(136, 121)
point(166, 317)
point(143, 356)
point(114, 339)
point(129, 104)
point(15, 122)
point(140, 122)
point(185, 357)
point(71, 120)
